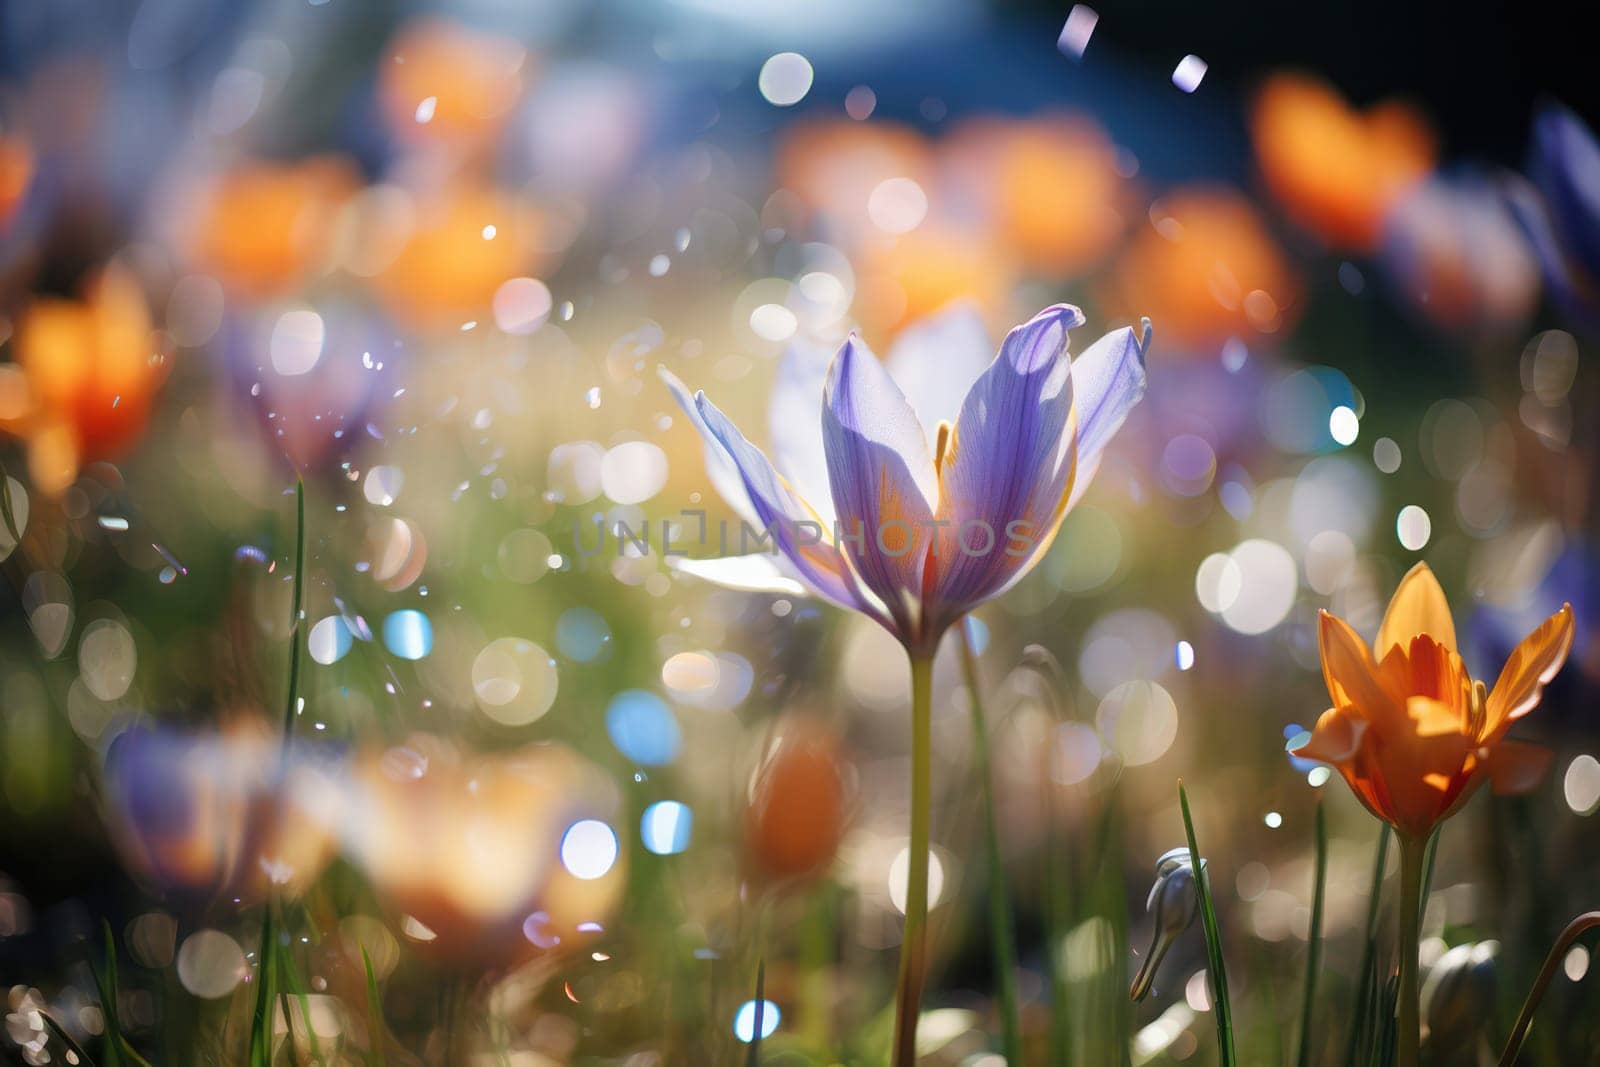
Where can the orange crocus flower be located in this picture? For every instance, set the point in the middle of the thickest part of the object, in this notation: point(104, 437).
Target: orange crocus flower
point(1337, 171)
point(84, 379)
point(266, 225)
point(1410, 730)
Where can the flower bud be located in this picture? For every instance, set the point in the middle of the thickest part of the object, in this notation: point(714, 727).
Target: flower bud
point(1173, 904)
point(798, 803)
point(1457, 998)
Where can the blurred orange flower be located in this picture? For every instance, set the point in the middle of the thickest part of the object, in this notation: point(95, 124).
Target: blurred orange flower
point(469, 848)
point(833, 166)
point(798, 804)
point(442, 82)
point(1050, 183)
point(907, 278)
point(84, 377)
point(1410, 730)
point(266, 225)
point(16, 172)
point(1207, 269)
point(459, 245)
point(1336, 170)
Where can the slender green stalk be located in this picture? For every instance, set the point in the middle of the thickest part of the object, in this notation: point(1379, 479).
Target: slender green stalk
point(1057, 913)
point(115, 1049)
point(266, 991)
point(1314, 942)
point(1428, 856)
point(1058, 888)
point(1002, 929)
point(1558, 953)
point(374, 1014)
point(291, 699)
point(1408, 1035)
point(914, 939)
point(61, 1035)
point(1208, 919)
point(753, 1056)
point(1367, 991)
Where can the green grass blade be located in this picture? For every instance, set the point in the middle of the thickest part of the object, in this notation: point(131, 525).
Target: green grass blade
point(60, 1034)
point(290, 701)
point(380, 1033)
point(1367, 1024)
point(266, 982)
point(1208, 919)
point(1002, 928)
point(753, 1057)
point(1314, 944)
point(294, 987)
point(1060, 903)
point(105, 981)
point(117, 1050)
point(1383, 1046)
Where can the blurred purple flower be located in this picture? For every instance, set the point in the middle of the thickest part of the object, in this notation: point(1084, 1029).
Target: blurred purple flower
point(933, 489)
point(316, 377)
point(208, 816)
point(1494, 630)
point(1560, 210)
point(1453, 250)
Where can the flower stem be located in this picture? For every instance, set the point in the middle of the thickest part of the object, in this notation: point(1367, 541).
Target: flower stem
point(914, 940)
point(1409, 1034)
point(291, 700)
point(1001, 927)
point(1558, 953)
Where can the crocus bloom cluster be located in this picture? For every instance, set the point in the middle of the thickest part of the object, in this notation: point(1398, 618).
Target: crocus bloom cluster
point(928, 488)
point(1410, 730)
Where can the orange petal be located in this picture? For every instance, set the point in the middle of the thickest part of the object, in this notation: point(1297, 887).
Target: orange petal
point(1417, 607)
point(1434, 718)
point(1348, 669)
point(1517, 767)
point(1531, 666)
point(1337, 737)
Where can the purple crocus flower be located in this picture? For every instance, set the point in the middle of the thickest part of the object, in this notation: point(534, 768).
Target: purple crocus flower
point(931, 484)
point(1560, 210)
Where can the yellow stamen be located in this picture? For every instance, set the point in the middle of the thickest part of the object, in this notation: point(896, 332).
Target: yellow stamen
point(1479, 712)
point(944, 444)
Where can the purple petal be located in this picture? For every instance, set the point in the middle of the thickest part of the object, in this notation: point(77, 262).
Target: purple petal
point(1577, 295)
point(1107, 381)
point(884, 485)
point(1567, 167)
point(1012, 463)
point(757, 572)
point(720, 468)
point(783, 514)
